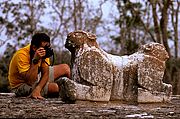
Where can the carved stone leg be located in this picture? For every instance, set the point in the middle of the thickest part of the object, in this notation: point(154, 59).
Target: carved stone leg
point(150, 75)
point(130, 84)
point(145, 96)
point(118, 85)
point(92, 93)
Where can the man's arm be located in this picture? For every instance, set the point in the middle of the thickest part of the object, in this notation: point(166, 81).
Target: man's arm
point(30, 76)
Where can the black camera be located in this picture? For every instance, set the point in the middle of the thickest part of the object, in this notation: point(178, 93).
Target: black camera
point(49, 52)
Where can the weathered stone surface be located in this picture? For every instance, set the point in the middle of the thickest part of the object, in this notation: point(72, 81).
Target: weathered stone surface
point(100, 76)
point(54, 108)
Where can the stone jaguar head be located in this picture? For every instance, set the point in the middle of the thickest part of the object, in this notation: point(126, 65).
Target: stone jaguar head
point(155, 49)
point(77, 39)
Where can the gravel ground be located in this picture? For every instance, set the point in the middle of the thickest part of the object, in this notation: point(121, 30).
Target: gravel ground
point(14, 107)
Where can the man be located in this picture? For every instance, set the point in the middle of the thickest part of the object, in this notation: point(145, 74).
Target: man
point(31, 61)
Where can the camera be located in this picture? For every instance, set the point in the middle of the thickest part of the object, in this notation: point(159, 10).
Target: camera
point(49, 52)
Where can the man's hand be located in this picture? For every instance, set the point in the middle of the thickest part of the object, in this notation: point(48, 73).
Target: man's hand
point(40, 52)
point(36, 93)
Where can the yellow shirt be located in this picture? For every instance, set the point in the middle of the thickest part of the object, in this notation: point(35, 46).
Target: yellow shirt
point(20, 62)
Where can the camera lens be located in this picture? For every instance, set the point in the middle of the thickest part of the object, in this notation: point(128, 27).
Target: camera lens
point(49, 52)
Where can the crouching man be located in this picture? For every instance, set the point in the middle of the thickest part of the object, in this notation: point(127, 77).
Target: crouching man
point(30, 73)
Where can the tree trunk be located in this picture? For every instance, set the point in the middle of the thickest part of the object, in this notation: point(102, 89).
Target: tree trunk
point(174, 20)
point(155, 19)
point(163, 25)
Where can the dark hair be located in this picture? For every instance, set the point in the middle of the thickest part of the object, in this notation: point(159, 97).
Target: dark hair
point(38, 38)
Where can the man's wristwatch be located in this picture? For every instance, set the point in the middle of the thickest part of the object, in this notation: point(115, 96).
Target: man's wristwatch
point(35, 61)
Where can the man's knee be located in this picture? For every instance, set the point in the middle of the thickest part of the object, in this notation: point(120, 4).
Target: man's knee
point(61, 70)
point(66, 68)
point(53, 89)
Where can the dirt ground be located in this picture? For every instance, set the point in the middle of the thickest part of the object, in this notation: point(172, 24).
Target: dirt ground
point(13, 107)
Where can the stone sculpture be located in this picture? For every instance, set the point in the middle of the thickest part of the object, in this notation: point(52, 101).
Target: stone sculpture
point(99, 76)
